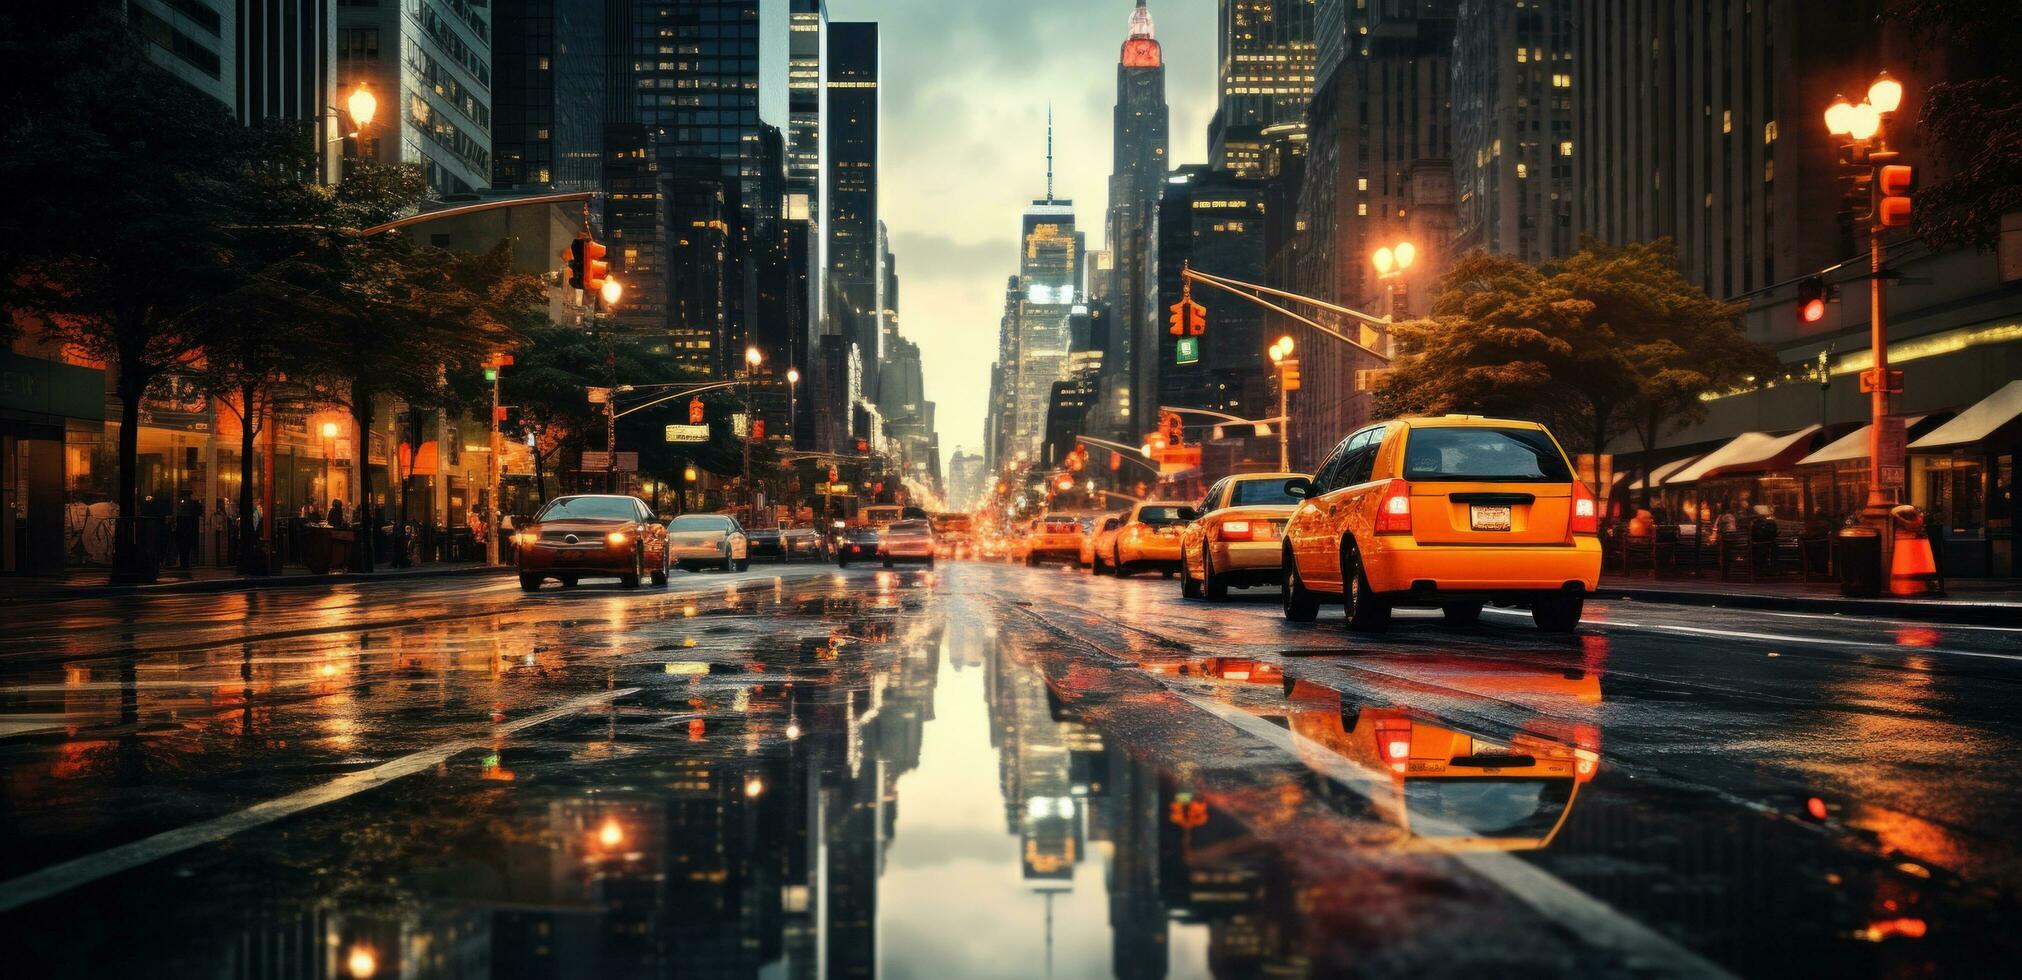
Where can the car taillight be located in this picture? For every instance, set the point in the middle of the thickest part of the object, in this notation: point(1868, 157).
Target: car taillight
point(1393, 513)
point(1393, 743)
point(1236, 530)
point(1248, 531)
point(1586, 510)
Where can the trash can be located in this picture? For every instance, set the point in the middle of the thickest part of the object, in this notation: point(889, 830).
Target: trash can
point(314, 549)
point(1858, 558)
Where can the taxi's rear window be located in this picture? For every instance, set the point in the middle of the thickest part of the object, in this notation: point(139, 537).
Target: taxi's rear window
point(1159, 515)
point(1250, 493)
point(1483, 454)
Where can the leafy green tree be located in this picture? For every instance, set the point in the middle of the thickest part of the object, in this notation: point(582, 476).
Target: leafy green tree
point(118, 239)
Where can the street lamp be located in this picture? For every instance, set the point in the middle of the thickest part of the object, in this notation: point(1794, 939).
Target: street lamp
point(363, 106)
point(329, 434)
point(793, 405)
point(611, 291)
point(1867, 152)
point(752, 358)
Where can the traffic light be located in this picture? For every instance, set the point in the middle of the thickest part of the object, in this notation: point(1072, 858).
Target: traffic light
point(695, 415)
point(833, 475)
point(863, 446)
point(758, 430)
point(1892, 195)
point(1811, 293)
point(1289, 378)
point(1197, 319)
point(1177, 326)
point(587, 267)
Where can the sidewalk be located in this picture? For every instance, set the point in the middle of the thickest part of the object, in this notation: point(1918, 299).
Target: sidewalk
point(91, 583)
point(1991, 601)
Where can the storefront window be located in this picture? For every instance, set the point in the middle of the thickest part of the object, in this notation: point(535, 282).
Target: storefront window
point(1954, 492)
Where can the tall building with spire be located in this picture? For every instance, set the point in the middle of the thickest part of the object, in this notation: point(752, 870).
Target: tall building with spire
point(1141, 156)
point(1052, 253)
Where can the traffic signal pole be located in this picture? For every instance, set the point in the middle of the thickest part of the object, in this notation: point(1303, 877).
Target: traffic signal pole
point(496, 552)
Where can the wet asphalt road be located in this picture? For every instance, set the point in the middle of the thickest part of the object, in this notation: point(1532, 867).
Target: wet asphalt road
point(991, 771)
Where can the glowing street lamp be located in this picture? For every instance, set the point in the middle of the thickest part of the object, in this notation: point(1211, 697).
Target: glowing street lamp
point(363, 105)
point(1885, 93)
point(611, 292)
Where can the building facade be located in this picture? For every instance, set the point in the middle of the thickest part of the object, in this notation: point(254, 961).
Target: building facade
point(1513, 139)
point(549, 75)
point(429, 63)
point(1141, 157)
point(1265, 73)
point(850, 133)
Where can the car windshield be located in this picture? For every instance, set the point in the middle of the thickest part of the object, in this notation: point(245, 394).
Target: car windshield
point(699, 523)
point(1159, 515)
point(1452, 453)
point(1259, 492)
point(590, 508)
point(1526, 808)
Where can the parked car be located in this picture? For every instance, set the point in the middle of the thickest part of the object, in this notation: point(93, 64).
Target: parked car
point(589, 535)
point(907, 541)
point(1232, 539)
point(1101, 537)
point(700, 541)
point(1149, 538)
point(1449, 513)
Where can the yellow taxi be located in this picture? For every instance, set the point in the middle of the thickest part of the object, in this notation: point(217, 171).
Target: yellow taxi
point(1018, 541)
point(1452, 790)
point(1448, 513)
point(1232, 540)
point(1099, 540)
point(1055, 537)
point(1149, 538)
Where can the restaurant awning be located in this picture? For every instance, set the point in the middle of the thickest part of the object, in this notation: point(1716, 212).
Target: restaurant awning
point(1988, 417)
point(1853, 445)
point(1663, 471)
point(1749, 453)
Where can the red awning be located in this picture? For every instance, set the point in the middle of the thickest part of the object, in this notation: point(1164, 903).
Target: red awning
point(1750, 453)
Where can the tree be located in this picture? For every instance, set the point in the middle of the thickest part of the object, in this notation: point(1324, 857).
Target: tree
point(1972, 119)
point(124, 243)
point(1607, 340)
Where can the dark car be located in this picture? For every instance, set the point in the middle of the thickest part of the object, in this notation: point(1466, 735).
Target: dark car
point(766, 544)
point(856, 544)
point(591, 535)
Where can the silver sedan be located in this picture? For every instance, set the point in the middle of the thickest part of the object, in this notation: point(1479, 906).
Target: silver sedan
point(699, 541)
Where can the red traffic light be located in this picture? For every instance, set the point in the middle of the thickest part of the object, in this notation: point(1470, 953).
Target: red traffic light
point(695, 411)
point(758, 429)
point(1177, 326)
point(1813, 311)
point(1812, 294)
point(1197, 318)
point(1892, 198)
point(595, 269)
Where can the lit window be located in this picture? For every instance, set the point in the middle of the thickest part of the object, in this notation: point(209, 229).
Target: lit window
point(1362, 209)
point(1727, 120)
point(1523, 55)
point(1565, 148)
point(1769, 132)
point(1522, 172)
point(1361, 183)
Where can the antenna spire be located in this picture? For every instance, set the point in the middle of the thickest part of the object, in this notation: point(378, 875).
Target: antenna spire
point(1049, 153)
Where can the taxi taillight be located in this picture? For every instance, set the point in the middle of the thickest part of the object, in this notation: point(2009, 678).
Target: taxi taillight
point(1586, 510)
point(1393, 742)
point(1393, 512)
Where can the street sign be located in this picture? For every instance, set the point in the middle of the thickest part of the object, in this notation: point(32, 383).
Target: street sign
point(1894, 441)
point(1187, 350)
point(688, 433)
point(598, 461)
point(740, 424)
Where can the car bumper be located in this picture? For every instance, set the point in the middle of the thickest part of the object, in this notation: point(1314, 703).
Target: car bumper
point(919, 551)
point(1401, 566)
point(535, 559)
point(1151, 550)
point(695, 553)
point(1248, 556)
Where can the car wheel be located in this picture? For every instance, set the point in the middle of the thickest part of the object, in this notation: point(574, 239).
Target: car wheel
point(568, 581)
point(729, 564)
point(1461, 613)
point(638, 573)
point(1188, 588)
point(1366, 612)
point(1214, 588)
point(1558, 612)
point(1117, 567)
point(1300, 605)
point(530, 583)
point(744, 564)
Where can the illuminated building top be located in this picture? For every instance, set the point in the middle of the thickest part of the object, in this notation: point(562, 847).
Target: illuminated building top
point(1141, 50)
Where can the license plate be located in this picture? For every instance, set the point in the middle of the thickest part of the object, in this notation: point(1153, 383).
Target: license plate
point(1488, 518)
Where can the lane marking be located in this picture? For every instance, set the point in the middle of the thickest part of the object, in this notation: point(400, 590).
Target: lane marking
point(1772, 637)
point(1643, 949)
point(59, 878)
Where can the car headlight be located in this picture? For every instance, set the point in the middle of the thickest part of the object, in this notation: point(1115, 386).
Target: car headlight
point(617, 538)
point(527, 537)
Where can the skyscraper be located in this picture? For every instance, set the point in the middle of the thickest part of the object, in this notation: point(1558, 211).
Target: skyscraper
point(548, 74)
point(1265, 74)
point(806, 97)
point(1140, 150)
point(1051, 257)
point(429, 63)
point(1214, 220)
point(851, 206)
point(1513, 143)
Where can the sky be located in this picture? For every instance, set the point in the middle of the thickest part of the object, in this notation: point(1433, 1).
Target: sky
point(964, 96)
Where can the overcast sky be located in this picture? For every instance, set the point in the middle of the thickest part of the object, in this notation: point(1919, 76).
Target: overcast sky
point(965, 88)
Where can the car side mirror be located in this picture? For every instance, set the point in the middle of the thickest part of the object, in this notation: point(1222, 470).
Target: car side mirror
point(1189, 514)
point(1299, 488)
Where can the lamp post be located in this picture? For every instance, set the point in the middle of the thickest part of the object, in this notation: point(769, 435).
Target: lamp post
point(329, 431)
point(1279, 352)
point(793, 405)
point(1867, 152)
point(752, 358)
point(607, 296)
point(362, 106)
point(1391, 263)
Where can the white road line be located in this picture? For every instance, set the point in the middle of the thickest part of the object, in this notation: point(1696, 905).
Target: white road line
point(1816, 641)
point(1643, 950)
point(59, 878)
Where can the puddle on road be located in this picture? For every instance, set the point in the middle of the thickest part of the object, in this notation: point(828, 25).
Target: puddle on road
point(879, 791)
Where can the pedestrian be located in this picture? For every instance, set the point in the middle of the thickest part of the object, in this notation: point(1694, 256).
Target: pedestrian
point(189, 522)
point(336, 513)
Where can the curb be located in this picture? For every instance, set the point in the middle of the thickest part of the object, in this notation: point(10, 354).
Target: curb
point(245, 584)
point(1930, 610)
